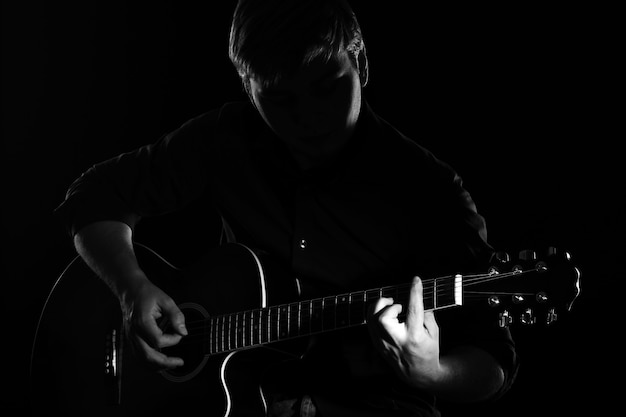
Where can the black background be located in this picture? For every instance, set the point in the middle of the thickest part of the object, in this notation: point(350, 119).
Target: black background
point(520, 99)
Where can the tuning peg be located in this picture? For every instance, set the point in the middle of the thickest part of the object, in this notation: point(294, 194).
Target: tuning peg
point(501, 258)
point(527, 255)
point(541, 267)
point(505, 319)
point(493, 301)
point(551, 317)
point(527, 317)
point(556, 252)
point(493, 270)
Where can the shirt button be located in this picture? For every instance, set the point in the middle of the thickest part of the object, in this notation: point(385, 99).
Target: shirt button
point(302, 244)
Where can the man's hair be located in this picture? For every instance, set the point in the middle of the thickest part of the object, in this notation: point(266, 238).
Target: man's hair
point(271, 39)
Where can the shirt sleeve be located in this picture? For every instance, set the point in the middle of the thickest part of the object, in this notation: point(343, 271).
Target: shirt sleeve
point(152, 180)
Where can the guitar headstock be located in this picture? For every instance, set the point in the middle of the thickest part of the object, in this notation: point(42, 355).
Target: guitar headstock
point(534, 288)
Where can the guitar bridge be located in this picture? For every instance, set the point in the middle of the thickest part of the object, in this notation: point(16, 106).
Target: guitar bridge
point(112, 366)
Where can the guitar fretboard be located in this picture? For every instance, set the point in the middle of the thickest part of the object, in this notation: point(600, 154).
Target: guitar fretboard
point(250, 328)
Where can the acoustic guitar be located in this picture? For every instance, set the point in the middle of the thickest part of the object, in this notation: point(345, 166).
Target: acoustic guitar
point(238, 327)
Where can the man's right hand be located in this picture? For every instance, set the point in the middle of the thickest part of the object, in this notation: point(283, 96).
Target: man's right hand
point(153, 322)
point(152, 319)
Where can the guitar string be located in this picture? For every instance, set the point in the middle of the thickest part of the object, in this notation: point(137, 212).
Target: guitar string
point(276, 317)
point(226, 340)
point(440, 288)
point(400, 292)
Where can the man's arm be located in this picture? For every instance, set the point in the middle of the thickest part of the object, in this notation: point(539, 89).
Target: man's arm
point(107, 247)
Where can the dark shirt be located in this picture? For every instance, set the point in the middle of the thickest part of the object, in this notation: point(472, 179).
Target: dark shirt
point(381, 211)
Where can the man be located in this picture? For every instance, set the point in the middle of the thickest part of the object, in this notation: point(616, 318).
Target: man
point(309, 174)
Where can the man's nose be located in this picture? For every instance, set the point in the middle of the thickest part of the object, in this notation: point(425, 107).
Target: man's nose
point(310, 114)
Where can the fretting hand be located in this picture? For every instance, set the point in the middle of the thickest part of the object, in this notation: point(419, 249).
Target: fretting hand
point(410, 347)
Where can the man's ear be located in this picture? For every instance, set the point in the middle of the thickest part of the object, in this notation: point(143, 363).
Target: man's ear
point(363, 67)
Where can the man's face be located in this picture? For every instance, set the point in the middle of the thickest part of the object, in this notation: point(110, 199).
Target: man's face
point(314, 111)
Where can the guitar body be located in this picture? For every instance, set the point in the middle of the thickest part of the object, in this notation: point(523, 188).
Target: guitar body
point(81, 365)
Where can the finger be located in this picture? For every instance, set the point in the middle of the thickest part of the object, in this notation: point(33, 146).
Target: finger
point(373, 313)
point(389, 315)
point(384, 325)
point(431, 324)
point(175, 320)
point(381, 303)
point(155, 358)
point(415, 308)
point(150, 333)
point(167, 340)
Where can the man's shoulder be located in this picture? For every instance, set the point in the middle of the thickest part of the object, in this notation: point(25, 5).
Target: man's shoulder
point(226, 113)
point(406, 152)
point(209, 128)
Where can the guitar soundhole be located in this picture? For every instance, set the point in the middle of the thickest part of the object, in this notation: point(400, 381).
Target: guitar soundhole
point(191, 348)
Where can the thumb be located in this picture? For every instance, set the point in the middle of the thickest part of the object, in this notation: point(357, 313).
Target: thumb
point(178, 322)
point(175, 319)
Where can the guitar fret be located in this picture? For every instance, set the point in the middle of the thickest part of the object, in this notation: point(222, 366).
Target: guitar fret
point(211, 327)
point(232, 334)
point(388, 293)
point(305, 317)
point(244, 331)
point(263, 326)
point(299, 319)
point(283, 322)
point(328, 313)
point(266, 325)
point(209, 335)
point(342, 311)
point(431, 302)
point(219, 338)
point(273, 324)
point(228, 332)
point(225, 333)
point(237, 334)
point(309, 315)
point(316, 315)
point(357, 310)
point(265, 332)
point(213, 335)
point(258, 326)
point(234, 331)
point(294, 317)
point(222, 332)
point(240, 330)
point(253, 328)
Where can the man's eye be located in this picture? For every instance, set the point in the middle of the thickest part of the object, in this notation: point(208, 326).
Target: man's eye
point(327, 87)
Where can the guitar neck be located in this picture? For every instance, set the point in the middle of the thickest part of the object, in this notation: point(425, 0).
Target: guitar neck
point(252, 328)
